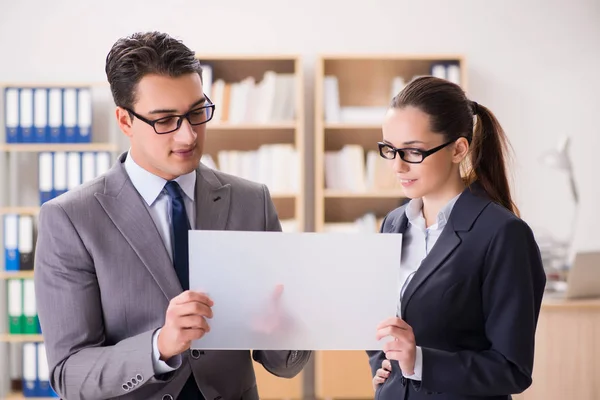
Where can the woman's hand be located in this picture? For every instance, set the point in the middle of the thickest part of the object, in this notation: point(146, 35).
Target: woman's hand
point(403, 348)
point(382, 373)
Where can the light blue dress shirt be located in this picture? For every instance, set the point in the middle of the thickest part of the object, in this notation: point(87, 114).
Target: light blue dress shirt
point(417, 242)
point(152, 190)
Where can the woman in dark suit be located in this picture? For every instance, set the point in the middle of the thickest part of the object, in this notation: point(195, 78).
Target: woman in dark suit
point(471, 276)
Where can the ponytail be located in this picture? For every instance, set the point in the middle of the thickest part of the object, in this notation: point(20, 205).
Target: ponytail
point(487, 158)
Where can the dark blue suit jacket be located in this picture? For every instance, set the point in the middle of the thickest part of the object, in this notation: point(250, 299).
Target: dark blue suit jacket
point(473, 305)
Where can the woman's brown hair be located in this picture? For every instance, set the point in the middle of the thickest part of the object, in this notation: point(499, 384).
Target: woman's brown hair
point(451, 114)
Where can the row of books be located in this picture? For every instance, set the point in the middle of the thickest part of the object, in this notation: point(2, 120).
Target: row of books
point(19, 239)
point(62, 171)
point(22, 310)
point(367, 223)
point(29, 372)
point(350, 169)
point(48, 115)
point(447, 70)
point(275, 165)
point(335, 113)
point(272, 99)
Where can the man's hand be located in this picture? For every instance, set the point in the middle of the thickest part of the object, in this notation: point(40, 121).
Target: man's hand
point(273, 319)
point(185, 321)
point(382, 373)
point(403, 348)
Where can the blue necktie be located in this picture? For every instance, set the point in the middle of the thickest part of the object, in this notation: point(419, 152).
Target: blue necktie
point(180, 225)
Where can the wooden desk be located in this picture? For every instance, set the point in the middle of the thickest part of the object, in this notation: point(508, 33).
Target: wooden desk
point(567, 353)
point(566, 365)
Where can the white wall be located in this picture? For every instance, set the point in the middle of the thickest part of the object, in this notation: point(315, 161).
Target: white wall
point(535, 63)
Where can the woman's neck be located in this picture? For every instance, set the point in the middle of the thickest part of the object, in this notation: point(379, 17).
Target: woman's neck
point(434, 202)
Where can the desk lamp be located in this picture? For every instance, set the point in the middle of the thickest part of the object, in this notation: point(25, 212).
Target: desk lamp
point(559, 158)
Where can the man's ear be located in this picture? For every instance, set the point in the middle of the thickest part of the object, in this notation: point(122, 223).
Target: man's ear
point(124, 120)
point(461, 149)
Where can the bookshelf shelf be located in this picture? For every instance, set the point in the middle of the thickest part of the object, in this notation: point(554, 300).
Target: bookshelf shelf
point(7, 338)
point(26, 172)
point(19, 396)
point(241, 127)
point(354, 187)
point(283, 195)
point(381, 194)
point(19, 210)
point(248, 131)
point(38, 148)
point(352, 126)
point(16, 275)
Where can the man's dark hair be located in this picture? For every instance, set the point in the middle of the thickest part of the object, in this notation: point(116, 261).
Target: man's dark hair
point(143, 53)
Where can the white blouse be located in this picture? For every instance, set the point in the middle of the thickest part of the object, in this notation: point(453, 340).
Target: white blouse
point(417, 242)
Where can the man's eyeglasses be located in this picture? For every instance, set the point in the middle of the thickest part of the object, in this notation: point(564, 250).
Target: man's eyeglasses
point(197, 116)
point(409, 155)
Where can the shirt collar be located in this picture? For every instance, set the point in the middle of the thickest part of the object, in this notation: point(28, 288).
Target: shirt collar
point(150, 186)
point(414, 213)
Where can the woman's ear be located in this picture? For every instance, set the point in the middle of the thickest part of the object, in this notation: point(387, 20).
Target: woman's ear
point(461, 149)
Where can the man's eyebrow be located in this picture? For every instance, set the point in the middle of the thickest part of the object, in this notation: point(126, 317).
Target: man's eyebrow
point(172, 111)
point(198, 103)
point(163, 111)
point(413, 142)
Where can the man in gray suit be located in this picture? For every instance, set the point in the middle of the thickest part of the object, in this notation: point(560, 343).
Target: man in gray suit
point(111, 267)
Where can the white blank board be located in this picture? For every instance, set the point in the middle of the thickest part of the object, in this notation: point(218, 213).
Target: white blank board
point(337, 287)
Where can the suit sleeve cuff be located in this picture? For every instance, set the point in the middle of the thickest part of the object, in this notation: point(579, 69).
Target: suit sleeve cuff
point(418, 372)
point(163, 367)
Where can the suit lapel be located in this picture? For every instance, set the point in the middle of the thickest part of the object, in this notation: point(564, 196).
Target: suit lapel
point(466, 210)
point(127, 210)
point(212, 201)
point(445, 245)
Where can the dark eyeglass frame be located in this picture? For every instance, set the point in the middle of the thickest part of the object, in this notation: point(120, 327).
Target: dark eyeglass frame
point(402, 151)
point(180, 117)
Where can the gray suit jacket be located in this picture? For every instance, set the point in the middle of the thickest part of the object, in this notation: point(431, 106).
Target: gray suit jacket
point(104, 279)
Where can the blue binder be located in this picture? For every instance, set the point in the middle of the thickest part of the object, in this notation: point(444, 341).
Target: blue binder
point(55, 115)
point(11, 242)
point(45, 176)
point(11, 113)
point(40, 113)
point(25, 134)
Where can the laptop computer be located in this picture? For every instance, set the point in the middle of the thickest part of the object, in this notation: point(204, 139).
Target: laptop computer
point(583, 279)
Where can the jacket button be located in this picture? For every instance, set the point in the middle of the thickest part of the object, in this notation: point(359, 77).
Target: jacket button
point(195, 354)
point(167, 397)
point(139, 377)
point(125, 387)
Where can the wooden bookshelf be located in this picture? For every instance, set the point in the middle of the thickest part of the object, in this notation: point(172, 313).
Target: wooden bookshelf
point(364, 91)
point(343, 375)
point(19, 190)
point(19, 396)
point(42, 147)
point(16, 275)
point(8, 338)
point(246, 135)
point(229, 132)
point(268, 126)
point(19, 210)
